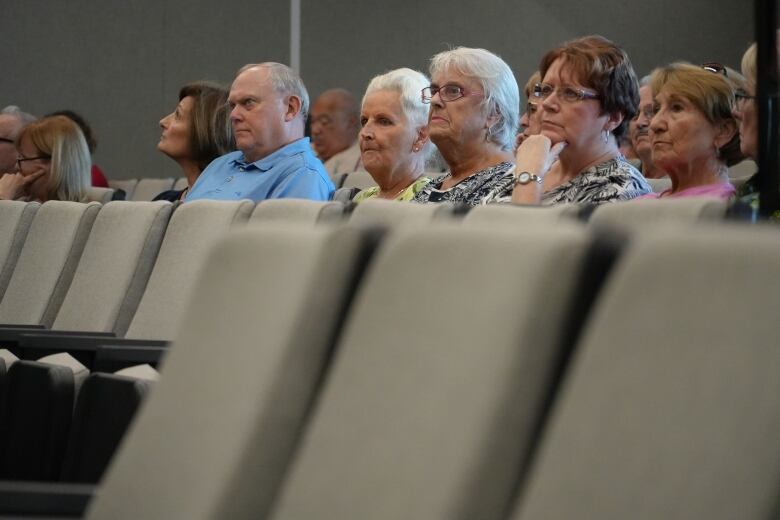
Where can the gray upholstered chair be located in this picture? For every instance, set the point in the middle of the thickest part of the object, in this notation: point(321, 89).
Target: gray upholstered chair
point(431, 406)
point(147, 189)
point(15, 220)
point(101, 195)
point(298, 211)
point(391, 213)
point(47, 262)
point(264, 316)
point(514, 215)
point(646, 214)
point(359, 179)
point(671, 407)
point(126, 185)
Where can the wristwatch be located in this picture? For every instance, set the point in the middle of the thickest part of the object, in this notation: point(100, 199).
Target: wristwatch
point(526, 178)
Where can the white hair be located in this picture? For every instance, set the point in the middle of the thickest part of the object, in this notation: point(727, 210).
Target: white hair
point(502, 95)
point(23, 117)
point(285, 82)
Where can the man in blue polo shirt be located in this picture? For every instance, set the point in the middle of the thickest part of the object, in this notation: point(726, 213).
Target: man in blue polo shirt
point(268, 104)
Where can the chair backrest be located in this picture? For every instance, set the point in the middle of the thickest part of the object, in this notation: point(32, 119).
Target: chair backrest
point(126, 185)
point(47, 262)
point(743, 169)
point(510, 214)
point(15, 220)
point(300, 211)
point(359, 179)
point(114, 267)
point(147, 189)
point(390, 213)
point(671, 408)
point(180, 183)
point(101, 195)
point(214, 443)
point(191, 232)
point(645, 214)
point(440, 377)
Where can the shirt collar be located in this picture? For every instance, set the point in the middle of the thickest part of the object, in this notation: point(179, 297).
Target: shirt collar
point(269, 161)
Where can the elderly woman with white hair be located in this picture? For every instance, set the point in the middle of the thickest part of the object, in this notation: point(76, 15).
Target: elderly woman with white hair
point(394, 135)
point(474, 111)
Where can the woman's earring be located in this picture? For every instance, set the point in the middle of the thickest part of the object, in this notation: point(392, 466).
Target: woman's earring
point(606, 135)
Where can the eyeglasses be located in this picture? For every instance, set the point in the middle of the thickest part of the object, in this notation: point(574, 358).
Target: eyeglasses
point(6, 140)
point(717, 68)
point(447, 92)
point(20, 159)
point(568, 94)
point(740, 96)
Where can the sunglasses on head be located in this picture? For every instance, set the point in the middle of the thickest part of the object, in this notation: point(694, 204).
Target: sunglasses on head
point(717, 68)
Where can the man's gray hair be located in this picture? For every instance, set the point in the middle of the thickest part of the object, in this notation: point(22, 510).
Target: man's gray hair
point(285, 81)
point(502, 95)
point(14, 110)
point(645, 81)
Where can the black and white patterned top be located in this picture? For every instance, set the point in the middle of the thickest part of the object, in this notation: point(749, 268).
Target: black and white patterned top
point(473, 189)
point(612, 180)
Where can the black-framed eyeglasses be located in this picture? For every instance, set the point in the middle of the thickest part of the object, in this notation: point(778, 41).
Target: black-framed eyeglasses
point(6, 140)
point(448, 92)
point(567, 94)
point(715, 67)
point(21, 158)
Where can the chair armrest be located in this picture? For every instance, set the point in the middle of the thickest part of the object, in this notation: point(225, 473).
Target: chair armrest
point(45, 498)
point(110, 358)
point(81, 345)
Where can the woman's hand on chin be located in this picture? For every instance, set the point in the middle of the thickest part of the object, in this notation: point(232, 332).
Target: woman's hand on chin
point(537, 154)
point(12, 185)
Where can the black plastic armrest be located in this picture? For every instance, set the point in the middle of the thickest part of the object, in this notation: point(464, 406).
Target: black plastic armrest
point(11, 337)
point(45, 498)
point(22, 326)
point(110, 358)
point(81, 346)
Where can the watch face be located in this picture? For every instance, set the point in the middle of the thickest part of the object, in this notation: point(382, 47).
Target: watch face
point(524, 178)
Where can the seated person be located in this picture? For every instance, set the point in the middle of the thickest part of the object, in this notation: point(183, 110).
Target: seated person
point(639, 131)
point(694, 134)
point(394, 136)
point(746, 113)
point(530, 124)
point(335, 123)
point(268, 112)
point(196, 133)
point(53, 163)
point(474, 100)
point(12, 119)
point(588, 95)
point(98, 177)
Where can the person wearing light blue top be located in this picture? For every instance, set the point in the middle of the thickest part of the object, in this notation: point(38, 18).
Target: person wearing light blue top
point(268, 104)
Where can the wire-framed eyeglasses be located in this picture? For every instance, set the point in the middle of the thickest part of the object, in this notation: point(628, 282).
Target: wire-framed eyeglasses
point(448, 92)
point(567, 94)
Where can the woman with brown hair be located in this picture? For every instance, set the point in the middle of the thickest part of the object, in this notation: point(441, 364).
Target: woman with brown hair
point(587, 96)
point(196, 133)
point(53, 163)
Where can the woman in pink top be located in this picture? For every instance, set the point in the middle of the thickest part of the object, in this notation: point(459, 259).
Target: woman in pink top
point(693, 132)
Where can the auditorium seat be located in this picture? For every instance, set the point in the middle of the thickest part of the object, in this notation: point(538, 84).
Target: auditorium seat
point(512, 214)
point(15, 220)
point(359, 179)
point(37, 418)
point(126, 185)
point(645, 214)
point(180, 184)
point(297, 211)
point(147, 189)
point(670, 409)
point(217, 433)
point(430, 408)
point(659, 185)
point(101, 195)
point(191, 233)
point(47, 262)
point(391, 213)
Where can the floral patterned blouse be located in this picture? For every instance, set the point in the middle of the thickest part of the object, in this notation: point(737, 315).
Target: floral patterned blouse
point(612, 180)
point(472, 190)
point(406, 195)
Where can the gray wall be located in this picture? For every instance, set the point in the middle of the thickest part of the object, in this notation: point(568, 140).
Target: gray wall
point(121, 63)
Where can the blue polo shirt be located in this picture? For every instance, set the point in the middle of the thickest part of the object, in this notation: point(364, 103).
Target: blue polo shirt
point(291, 172)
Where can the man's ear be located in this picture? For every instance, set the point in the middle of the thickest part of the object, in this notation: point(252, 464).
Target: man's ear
point(293, 107)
